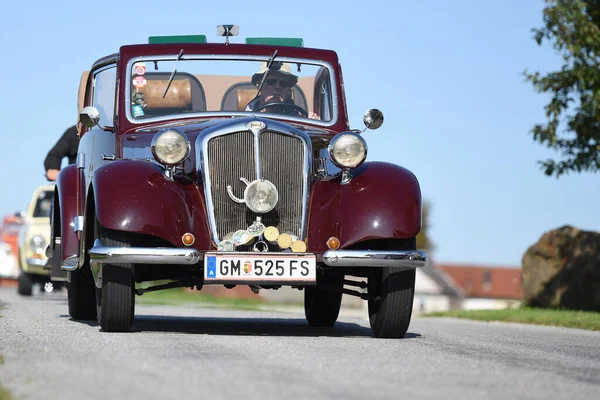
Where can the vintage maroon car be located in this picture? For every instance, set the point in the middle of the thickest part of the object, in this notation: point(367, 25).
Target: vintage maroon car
point(231, 164)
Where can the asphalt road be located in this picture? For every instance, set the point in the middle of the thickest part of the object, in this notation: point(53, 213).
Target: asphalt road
point(177, 353)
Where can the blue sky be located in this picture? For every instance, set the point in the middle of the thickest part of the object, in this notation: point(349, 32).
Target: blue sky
point(447, 76)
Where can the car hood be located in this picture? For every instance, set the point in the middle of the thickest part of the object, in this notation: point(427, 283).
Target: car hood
point(137, 143)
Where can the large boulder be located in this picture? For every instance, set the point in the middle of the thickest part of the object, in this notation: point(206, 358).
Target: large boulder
point(562, 270)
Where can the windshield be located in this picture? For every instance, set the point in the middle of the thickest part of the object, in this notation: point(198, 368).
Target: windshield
point(161, 88)
point(43, 204)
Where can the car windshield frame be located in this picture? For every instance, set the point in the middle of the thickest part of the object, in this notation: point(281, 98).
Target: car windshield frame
point(223, 114)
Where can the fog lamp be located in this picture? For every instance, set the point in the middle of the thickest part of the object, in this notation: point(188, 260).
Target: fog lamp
point(261, 196)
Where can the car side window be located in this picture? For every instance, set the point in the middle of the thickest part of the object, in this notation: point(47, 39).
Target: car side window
point(105, 86)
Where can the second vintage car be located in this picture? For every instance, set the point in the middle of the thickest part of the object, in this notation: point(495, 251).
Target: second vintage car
point(231, 164)
point(34, 236)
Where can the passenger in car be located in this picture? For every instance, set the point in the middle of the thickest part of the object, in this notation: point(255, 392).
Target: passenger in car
point(276, 89)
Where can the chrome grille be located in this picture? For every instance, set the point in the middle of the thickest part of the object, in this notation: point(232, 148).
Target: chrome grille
point(232, 156)
point(282, 163)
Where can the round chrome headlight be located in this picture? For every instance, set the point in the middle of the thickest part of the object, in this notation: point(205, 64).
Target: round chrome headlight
point(37, 244)
point(261, 196)
point(170, 147)
point(347, 150)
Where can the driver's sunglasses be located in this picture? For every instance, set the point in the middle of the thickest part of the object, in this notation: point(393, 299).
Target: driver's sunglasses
point(282, 83)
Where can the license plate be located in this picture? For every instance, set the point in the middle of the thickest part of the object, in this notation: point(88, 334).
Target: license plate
point(260, 268)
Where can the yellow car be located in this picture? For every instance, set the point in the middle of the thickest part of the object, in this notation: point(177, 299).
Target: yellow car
point(33, 240)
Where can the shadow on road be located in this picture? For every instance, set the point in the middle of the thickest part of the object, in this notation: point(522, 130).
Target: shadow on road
point(243, 326)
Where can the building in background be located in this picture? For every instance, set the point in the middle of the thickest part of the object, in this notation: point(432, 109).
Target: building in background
point(435, 290)
point(486, 287)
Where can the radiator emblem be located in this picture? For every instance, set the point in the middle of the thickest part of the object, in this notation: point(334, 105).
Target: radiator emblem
point(256, 125)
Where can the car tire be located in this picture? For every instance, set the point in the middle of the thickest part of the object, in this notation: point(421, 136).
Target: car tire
point(81, 294)
point(25, 287)
point(322, 307)
point(115, 301)
point(391, 294)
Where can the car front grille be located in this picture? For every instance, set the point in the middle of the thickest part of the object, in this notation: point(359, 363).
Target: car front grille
point(233, 156)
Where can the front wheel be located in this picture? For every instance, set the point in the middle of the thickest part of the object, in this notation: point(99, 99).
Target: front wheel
point(25, 284)
point(322, 307)
point(391, 294)
point(81, 294)
point(115, 301)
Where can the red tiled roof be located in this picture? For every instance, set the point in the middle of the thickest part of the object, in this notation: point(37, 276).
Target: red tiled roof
point(489, 282)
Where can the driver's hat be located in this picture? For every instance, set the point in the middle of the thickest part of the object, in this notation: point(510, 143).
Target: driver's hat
point(281, 69)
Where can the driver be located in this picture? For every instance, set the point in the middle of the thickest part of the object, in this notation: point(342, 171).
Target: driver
point(276, 89)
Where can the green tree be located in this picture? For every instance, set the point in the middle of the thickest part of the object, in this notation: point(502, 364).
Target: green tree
point(423, 241)
point(573, 27)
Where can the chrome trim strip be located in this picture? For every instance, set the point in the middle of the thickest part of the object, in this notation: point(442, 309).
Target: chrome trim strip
point(80, 160)
point(70, 263)
point(37, 262)
point(78, 223)
point(238, 125)
point(221, 114)
point(143, 255)
point(256, 134)
point(405, 259)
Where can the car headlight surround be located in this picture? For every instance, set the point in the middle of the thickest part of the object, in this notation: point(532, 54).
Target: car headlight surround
point(347, 150)
point(38, 244)
point(170, 147)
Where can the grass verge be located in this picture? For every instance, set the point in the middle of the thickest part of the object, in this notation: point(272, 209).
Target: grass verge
point(538, 316)
point(4, 393)
point(178, 297)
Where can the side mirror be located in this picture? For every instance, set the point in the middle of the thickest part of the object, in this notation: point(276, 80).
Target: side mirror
point(89, 116)
point(373, 119)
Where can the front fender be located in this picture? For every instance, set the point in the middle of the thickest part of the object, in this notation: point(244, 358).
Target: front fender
point(382, 201)
point(135, 196)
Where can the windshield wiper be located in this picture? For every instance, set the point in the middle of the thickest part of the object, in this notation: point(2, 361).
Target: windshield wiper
point(264, 78)
point(173, 73)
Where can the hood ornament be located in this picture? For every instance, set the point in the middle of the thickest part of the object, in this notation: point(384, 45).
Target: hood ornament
point(260, 195)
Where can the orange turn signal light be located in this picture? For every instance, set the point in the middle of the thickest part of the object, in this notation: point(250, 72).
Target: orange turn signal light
point(188, 239)
point(333, 243)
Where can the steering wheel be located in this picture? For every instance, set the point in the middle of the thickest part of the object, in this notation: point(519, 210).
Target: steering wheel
point(294, 107)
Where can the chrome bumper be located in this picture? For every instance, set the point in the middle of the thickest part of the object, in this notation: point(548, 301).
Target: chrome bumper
point(143, 255)
point(405, 259)
point(38, 262)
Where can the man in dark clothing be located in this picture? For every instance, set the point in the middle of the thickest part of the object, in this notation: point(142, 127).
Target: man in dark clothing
point(65, 147)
